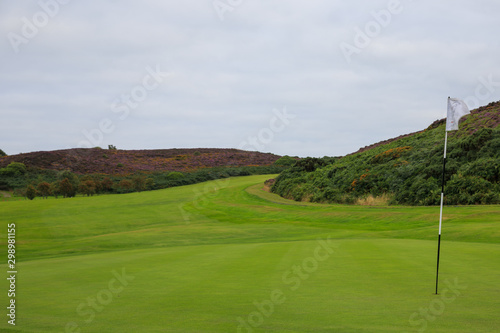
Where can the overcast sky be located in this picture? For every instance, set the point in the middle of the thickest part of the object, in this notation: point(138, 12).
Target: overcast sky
point(305, 78)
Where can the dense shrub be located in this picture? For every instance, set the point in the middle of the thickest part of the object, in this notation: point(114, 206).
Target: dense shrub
point(468, 190)
point(309, 164)
point(477, 140)
point(487, 168)
point(125, 186)
point(175, 175)
point(139, 183)
point(14, 169)
point(107, 184)
point(408, 170)
point(150, 184)
point(285, 161)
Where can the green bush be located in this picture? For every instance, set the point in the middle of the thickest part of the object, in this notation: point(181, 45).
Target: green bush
point(175, 175)
point(285, 161)
point(14, 169)
point(424, 191)
point(31, 192)
point(309, 164)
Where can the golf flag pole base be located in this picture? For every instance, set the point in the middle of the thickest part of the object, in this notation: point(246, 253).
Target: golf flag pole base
point(437, 271)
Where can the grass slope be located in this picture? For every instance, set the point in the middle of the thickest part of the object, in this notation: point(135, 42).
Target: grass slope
point(210, 258)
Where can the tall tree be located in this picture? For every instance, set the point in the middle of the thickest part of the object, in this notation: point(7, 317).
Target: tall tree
point(107, 184)
point(87, 187)
point(66, 188)
point(44, 189)
point(72, 178)
point(31, 192)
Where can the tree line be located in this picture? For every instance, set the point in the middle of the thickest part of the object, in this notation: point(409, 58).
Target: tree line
point(70, 185)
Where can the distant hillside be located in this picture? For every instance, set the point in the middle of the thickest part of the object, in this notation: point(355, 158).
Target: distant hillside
point(113, 162)
point(407, 169)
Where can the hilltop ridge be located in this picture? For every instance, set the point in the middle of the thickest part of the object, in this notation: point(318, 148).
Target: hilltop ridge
point(113, 161)
point(488, 113)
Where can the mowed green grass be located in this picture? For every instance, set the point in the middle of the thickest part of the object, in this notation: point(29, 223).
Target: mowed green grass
point(225, 256)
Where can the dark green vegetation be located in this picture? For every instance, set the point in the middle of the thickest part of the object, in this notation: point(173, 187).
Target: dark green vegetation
point(216, 256)
point(408, 170)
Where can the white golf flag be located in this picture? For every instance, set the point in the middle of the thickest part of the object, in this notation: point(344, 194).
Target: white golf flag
point(456, 110)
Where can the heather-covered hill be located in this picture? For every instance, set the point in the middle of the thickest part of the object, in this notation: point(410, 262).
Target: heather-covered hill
point(93, 171)
point(407, 169)
point(120, 162)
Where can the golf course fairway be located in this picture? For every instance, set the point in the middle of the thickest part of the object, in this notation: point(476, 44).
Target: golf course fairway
point(226, 256)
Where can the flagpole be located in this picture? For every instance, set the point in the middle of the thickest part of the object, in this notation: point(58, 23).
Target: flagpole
point(456, 110)
point(441, 209)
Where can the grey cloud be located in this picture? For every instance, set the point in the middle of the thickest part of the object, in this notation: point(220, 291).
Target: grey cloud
point(227, 76)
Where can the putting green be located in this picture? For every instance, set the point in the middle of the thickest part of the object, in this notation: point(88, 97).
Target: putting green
point(225, 256)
